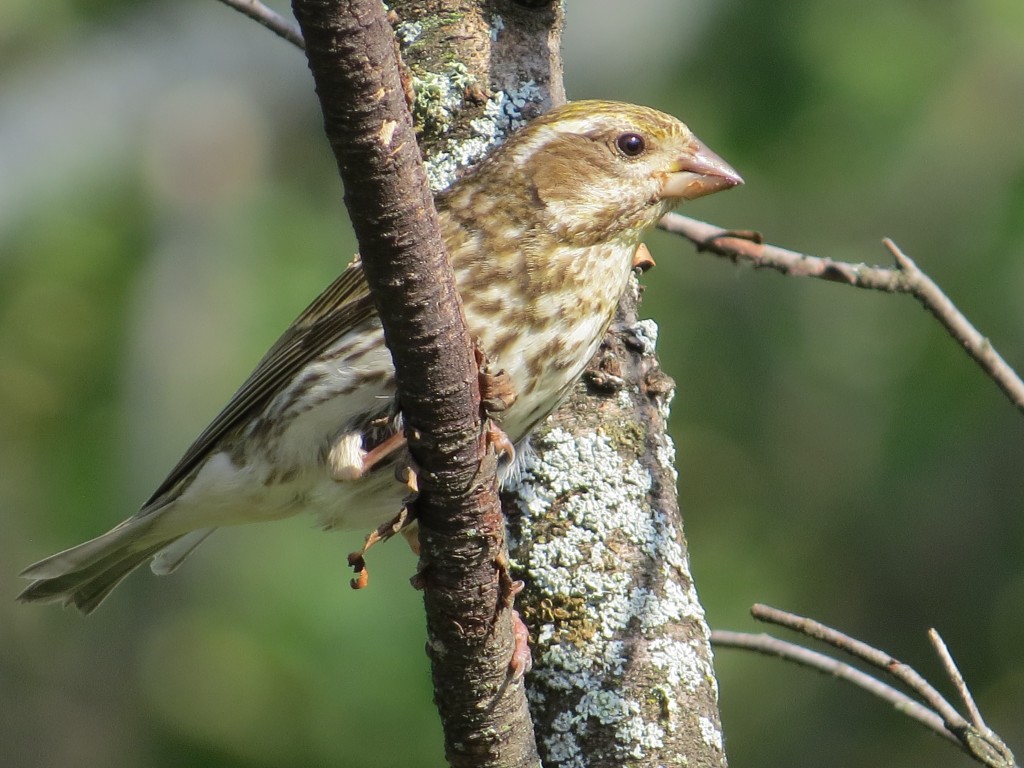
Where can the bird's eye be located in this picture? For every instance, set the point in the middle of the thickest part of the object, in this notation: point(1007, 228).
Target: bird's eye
point(631, 144)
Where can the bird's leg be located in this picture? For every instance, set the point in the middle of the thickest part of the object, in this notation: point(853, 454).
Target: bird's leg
point(404, 522)
point(407, 472)
point(348, 460)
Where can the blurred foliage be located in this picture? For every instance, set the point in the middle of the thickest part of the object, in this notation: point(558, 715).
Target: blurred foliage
point(167, 205)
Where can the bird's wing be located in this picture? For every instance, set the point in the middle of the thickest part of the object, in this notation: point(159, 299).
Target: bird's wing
point(343, 306)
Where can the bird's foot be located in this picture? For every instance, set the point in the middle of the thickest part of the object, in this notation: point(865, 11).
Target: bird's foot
point(499, 442)
point(522, 657)
point(400, 523)
point(496, 391)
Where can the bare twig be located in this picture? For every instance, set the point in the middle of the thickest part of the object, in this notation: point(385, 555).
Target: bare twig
point(906, 278)
point(953, 672)
point(977, 740)
point(270, 19)
point(860, 650)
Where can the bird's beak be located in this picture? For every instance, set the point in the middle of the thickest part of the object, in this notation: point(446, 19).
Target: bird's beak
point(698, 172)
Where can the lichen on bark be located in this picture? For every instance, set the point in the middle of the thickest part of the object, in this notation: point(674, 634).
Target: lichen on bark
point(475, 71)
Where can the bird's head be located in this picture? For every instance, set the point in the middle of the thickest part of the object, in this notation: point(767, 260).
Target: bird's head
point(595, 171)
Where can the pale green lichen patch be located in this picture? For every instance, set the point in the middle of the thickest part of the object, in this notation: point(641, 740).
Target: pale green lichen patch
point(502, 113)
point(428, 31)
point(439, 96)
point(562, 747)
point(586, 484)
point(611, 708)
point(665, 454)
point(711, 733)
point(681, 662)
point(646, 331)
point(408, 32)
point(663, 696)
point(634, 736)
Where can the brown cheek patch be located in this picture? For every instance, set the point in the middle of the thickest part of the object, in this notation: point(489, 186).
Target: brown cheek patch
point(554, 179)
point(567, 166)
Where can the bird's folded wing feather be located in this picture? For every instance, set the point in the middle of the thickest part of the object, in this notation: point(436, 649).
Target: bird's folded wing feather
point(342, 307)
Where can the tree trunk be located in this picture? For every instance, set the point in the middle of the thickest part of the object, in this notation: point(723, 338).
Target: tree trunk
point(622, 660)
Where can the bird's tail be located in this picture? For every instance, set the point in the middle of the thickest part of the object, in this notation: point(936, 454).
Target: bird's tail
point(84, 575)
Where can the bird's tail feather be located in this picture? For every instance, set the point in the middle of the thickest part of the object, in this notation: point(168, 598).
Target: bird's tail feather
point(171, 556)
point(84, 575)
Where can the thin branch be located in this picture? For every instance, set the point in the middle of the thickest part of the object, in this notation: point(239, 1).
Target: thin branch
point(270, 19)
point(978, 740)
point(924, 289)
point(772, 646)
point(353, 57)
point(957, 678)
point(905, 278)
point(860, 650)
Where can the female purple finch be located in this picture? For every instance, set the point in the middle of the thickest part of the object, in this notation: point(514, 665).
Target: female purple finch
point(542, 237)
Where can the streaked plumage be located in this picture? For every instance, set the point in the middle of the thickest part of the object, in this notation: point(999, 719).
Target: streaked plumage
point(542, 236)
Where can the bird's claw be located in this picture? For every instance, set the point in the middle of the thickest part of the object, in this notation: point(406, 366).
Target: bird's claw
point(522, 657)
point(499, 442)
point(408, 474)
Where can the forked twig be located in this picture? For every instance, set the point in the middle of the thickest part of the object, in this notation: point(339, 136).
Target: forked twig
point(905, 278)
point(975, 738)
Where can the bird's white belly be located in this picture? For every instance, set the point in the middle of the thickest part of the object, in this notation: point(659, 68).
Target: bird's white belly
point(224, 493)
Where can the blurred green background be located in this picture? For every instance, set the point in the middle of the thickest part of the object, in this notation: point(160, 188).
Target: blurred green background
point(167, 205)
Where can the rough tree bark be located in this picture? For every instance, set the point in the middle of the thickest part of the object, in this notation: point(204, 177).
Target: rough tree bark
point(463, 565)
point(622, 661)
